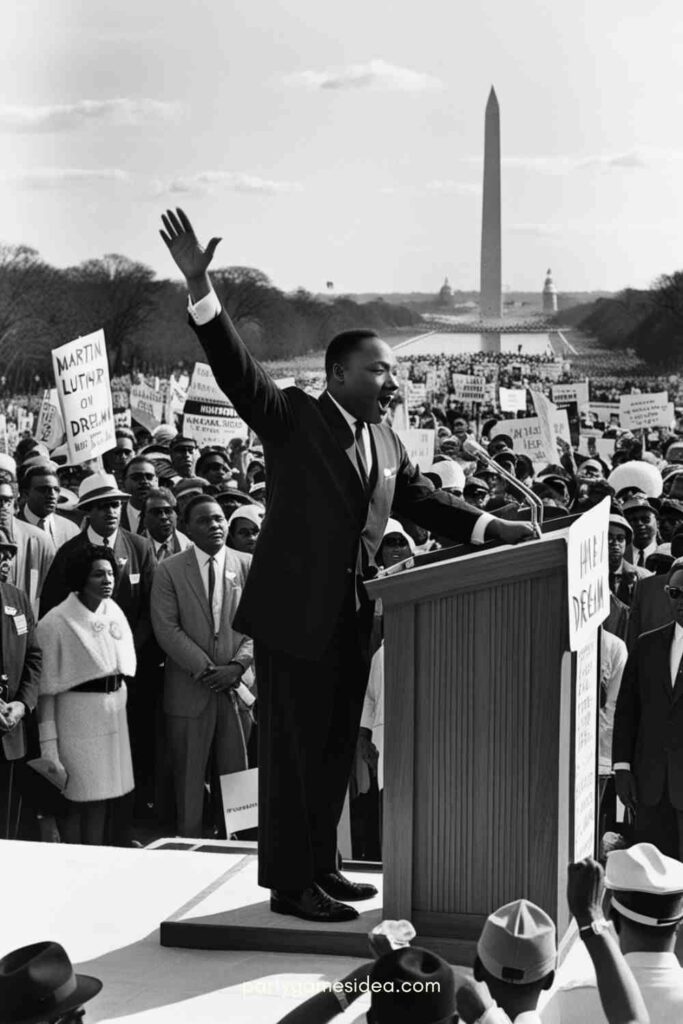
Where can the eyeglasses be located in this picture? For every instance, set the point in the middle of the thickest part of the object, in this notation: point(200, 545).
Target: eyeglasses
point(674, 592)
point(168, 511)
point(6, 555)
point(141, 476)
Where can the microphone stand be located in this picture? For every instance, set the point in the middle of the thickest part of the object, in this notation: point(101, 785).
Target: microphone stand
point(533, 501)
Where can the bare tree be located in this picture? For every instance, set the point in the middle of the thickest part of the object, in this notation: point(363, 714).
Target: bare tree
point(29, 290)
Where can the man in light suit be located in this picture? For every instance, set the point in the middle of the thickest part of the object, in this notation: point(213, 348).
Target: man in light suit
point(335, 471)
point(20, 662)
point(194, 599)
point(647, 744)
point(35, 551)
point(40, 490)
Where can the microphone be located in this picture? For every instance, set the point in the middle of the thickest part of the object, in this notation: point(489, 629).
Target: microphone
point(476, 450)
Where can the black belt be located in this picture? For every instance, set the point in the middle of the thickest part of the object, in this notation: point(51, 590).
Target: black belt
point(108, 684)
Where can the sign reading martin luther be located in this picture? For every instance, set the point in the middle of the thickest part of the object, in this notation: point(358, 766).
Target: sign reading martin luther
point(81, 372)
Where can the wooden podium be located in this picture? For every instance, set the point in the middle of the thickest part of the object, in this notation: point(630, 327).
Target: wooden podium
point(480, 704)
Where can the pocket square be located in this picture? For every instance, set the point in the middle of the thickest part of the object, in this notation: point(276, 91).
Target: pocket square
point(389, 471)
point(230, 575)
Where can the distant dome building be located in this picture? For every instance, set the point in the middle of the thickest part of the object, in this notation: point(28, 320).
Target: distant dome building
point(549, 294)
point(445, 294)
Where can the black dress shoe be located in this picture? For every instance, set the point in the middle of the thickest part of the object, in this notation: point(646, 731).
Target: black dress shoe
point(312, 904)
point(340, 888)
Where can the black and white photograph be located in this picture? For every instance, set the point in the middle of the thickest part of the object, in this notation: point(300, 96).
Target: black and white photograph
point(341, 531)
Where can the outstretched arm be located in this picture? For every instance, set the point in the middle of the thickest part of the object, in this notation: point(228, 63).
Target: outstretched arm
point(255, 396)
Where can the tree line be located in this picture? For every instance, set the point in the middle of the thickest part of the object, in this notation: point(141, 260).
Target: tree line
point(650, 321)
point(145, 319)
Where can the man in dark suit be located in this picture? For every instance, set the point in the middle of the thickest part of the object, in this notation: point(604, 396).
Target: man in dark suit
point(20, 662)
point(140, 477)
point(647, 744)
point(335, 472)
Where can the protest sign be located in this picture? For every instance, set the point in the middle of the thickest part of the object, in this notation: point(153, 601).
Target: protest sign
point(4, 443)
point(602, 447)
point(122, 418)
point(467, 388)
point(81, 374)
point(50, 427)
point(639, 411)
point(546, 412)
point(526, 434)
point(208, 416)
point(604, 412)
point(585, 741)
point(420, 446)
point(564, 394)
point(417, 395)
point(239, 792)
point(588, 574)
point(147, 406)
point(512, 399)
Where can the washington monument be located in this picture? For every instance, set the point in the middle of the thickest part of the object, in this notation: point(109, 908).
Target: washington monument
point(491, 298)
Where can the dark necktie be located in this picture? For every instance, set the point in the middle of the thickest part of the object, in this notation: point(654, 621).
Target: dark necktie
point(105, 542)
point(641, 557)
point(162, 551)
point(212, 582)
point(360, 454)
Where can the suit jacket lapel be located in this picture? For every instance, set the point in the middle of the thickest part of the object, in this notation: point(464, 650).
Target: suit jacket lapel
point(664, 670)
point(344, 437)
point(194, 578)
point(4, 631)
point(675, 692)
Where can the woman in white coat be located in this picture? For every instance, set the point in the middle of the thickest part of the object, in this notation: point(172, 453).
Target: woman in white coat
point(88, 653)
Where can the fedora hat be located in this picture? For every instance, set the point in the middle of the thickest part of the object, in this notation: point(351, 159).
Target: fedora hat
point(98, 487)
point(38, 983)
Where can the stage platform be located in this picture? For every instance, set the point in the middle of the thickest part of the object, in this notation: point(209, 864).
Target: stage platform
point(106, 905)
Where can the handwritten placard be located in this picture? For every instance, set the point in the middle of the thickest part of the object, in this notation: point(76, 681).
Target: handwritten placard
point(81, 372)
point(588, 574)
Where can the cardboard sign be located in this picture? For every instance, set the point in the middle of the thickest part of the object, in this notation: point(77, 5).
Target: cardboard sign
point(639, 411)
point(467, 388)
point(239, 791)
point(4, 440)
point(81, 372)
point(208, 415)
point(50, 427)
point(122, 418)
point(588, 574)
point(417, 395)
point(420, 446)
point(604, 412)
point(526, 434)
point(147, 406)
point(512, 399)
point(563, 394)
point(585, 738)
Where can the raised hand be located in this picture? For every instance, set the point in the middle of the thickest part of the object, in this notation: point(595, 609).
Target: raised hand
point(191, 258)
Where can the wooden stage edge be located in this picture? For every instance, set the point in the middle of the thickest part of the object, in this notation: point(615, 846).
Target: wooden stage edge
point(234, 914)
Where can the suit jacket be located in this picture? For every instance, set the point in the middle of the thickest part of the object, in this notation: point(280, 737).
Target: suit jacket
point(648, 721)
point(650, 607)
point(136, 561)
point(179, 542)
point(183, 626)
point(32, 562)
point(20, 661)
point(631, 575)
point(318, 509)
point(63, 529)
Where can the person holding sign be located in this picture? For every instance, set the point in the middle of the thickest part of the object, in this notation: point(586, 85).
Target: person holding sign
point(335, 472)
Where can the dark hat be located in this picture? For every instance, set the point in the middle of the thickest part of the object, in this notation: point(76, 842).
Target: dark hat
point(474, 483)
point(213, 452)
point(636, 503)
point(239, 497)
point(38, 983)
point(671, 508)
point(429, 993)
point(646, 886)
point(505, 455)
point(505, 439)
point(191, 485)
point(180, 439)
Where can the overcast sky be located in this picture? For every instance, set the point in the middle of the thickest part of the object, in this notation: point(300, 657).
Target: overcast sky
point(344, 141)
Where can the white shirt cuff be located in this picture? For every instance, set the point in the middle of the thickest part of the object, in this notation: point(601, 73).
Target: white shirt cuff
point(205, 310)
point(480, 528)
point(621, 766)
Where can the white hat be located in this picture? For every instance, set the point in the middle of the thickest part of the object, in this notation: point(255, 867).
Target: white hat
point(393, 526)
point(647, 886)
point(449, 473)
point(638, 474)
point(98, 487)
point(517, 944)
point(8, 464)
point(254, 513)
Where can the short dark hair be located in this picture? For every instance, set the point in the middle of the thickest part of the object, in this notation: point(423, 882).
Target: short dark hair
point(599, 488)
point(343, 344)
point(79, 564)
point(195, 501)
point(159, 492)
point(676, 566)
point(33, 472)
point(137, 459)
